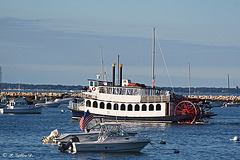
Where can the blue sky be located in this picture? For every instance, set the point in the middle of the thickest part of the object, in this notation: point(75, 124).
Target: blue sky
point(58, 41)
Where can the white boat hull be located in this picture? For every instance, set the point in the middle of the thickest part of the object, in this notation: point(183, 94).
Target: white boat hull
point(49, 104)
point(64, 138)
point(35, 110)
point(126, 146)
point(232, 105)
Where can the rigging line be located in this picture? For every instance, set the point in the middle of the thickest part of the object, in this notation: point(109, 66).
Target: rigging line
point(106, 71)
point(164, 63)
point(103, 67)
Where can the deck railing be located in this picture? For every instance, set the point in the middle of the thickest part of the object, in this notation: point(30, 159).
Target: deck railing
point(76, 106)
point(155, 98)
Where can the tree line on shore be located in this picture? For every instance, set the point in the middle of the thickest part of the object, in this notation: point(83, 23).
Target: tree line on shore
point(11, 86)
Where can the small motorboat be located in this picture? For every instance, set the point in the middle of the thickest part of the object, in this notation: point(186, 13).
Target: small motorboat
point(111, 138)
point(63, 101)
point(20, 106)
point(90, 133)
point(48, 103)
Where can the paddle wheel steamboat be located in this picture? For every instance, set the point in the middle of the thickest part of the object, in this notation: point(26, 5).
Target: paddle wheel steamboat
point(136, 102)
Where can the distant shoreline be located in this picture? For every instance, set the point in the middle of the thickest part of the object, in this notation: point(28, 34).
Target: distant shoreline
point(9, 87)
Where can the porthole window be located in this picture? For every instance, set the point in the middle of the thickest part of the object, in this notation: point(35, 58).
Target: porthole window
point(109, 106)
point(158, 107)
point(123, 107)
point(137, 107)
point(144, 107)
point(130, 108)
point(88, 103)
point(95, 104)
point(115, 106)
point(102, 105)
point(151, 107)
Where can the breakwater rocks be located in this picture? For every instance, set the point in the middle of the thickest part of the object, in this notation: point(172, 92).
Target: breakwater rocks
point(37, 95)
point(54, 95)
point(215, 97)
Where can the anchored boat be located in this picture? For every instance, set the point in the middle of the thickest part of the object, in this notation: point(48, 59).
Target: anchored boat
point(20, 106)
point(91, 133)
point(111, 139)
point(136, 103)
point(48, 103)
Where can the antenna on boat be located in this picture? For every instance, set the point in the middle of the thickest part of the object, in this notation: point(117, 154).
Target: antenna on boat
point(153, 60)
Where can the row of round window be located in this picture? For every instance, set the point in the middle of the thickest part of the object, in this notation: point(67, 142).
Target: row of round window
point(123, 107)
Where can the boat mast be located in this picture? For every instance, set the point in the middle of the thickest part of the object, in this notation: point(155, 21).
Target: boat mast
point(0, 81)
point(189, 80)
point(101, 63)
point(153, 60)
point(228, 88)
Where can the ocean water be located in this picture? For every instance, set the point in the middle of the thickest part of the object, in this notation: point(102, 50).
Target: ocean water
point(20, 137)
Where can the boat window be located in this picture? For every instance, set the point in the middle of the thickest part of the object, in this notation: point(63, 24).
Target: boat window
point(144, 107)
point(88, 103)
point(91, 83)
point(115, 106)
point(151, 107)
point(102, 105)
point(158, 107)
point(123, 107)
point(130, 107)
point(109, 106)
point(95, 104)
point(95, 84)
point(137, 107)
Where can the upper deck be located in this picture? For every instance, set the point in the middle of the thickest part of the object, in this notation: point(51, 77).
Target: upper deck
point(102, 90)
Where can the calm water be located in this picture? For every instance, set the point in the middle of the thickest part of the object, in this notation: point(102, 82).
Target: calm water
point(20, 137)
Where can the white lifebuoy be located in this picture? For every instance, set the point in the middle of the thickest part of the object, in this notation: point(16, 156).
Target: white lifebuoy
point(93, 89)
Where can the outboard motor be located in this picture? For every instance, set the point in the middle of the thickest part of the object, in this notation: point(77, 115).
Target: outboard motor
point(63, 147)
point(54, 134)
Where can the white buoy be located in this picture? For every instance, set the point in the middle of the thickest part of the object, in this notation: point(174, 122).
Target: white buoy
point(62, 111)
point(235, 139)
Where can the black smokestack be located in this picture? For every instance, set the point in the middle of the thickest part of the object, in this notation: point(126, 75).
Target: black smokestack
point(113, 79)
point(120, 65)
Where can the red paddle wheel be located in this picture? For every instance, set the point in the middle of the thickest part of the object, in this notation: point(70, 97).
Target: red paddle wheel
point(188, 110)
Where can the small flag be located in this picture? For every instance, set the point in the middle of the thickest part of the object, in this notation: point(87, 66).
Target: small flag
point(86, 118)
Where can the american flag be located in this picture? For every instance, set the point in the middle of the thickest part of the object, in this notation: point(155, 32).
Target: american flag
point(86, 118)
